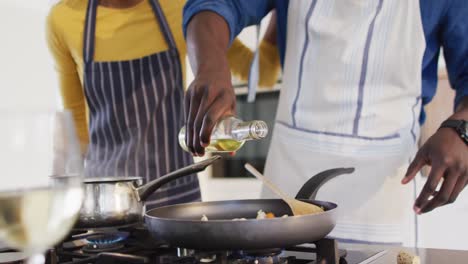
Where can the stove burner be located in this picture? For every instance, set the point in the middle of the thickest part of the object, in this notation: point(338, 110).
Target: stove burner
point(201, 256)
point(262, 253)
point(107, 238)
point(98, 248)
point(135, 245)
point(103, 242)
point(265, 256)
point(208, 259)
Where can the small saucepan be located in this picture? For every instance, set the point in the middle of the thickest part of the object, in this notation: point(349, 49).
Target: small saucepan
point(118, 201)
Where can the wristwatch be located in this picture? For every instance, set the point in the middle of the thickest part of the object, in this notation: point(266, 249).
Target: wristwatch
point(461, 126)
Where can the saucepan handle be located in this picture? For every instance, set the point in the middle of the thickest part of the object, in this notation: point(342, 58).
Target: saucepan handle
point(146, 190)
point(310, 188)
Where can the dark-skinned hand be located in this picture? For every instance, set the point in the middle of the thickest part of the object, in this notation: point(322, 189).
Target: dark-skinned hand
point(210, 97)
point(447, 155)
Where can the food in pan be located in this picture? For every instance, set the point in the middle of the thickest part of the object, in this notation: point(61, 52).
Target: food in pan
point(260, 215)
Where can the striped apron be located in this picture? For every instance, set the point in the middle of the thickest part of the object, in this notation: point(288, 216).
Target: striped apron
point(135, 114)
point(353, 77)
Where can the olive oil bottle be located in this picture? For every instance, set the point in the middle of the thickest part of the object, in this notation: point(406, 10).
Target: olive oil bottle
point(230, 134)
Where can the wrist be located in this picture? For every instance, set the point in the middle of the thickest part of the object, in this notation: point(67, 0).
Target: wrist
point(213, 65)
point(458, 127)
point(461, 114)
point(462, 110)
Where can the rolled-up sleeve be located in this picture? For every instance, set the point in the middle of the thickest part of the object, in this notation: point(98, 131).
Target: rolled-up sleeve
point(455, 46)
point(238, 14)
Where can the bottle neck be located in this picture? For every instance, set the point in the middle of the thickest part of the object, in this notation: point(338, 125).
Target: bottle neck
point(250, 130)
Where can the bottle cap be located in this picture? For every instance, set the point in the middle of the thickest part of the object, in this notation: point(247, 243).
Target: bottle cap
point(258, 129)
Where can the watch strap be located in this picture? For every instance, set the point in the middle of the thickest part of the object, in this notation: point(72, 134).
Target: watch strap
point(459, 126)
point(452, 123)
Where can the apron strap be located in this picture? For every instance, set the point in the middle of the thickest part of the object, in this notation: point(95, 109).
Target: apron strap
point(163, 24)
point(90, 28)
point(89, 32)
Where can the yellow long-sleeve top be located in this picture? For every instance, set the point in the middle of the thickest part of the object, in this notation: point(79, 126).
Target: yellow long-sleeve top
point(121, 34)
point(240, 57)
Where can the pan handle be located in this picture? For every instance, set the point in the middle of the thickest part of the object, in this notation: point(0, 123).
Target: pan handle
point(310, 188)
point(146, 190)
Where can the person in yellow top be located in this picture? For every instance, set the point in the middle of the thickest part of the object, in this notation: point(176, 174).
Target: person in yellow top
point(240, 57)
point(121, 68)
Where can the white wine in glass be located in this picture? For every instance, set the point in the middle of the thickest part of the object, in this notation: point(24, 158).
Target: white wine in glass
point(41, 192)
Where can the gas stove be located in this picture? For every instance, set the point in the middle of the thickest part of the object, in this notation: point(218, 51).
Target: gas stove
point(135, 245)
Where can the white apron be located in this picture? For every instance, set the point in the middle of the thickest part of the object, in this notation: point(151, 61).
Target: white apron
point(350, 98)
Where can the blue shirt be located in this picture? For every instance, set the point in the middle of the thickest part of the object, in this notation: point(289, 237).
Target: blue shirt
point(445, 24)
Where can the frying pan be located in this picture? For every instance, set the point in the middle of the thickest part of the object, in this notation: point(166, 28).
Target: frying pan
point(181, 225)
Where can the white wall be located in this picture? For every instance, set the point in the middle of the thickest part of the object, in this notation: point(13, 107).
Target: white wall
point(27, 77)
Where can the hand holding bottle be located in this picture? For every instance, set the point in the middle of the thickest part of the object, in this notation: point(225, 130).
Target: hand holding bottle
point(230, 134)
point(210, 96)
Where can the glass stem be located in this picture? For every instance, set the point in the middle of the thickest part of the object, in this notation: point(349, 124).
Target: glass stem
point(36, 259)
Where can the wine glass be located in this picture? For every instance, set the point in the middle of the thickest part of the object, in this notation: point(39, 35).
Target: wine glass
point(41, 190)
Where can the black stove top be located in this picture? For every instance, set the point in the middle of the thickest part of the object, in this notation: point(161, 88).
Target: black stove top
point(135, 245)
